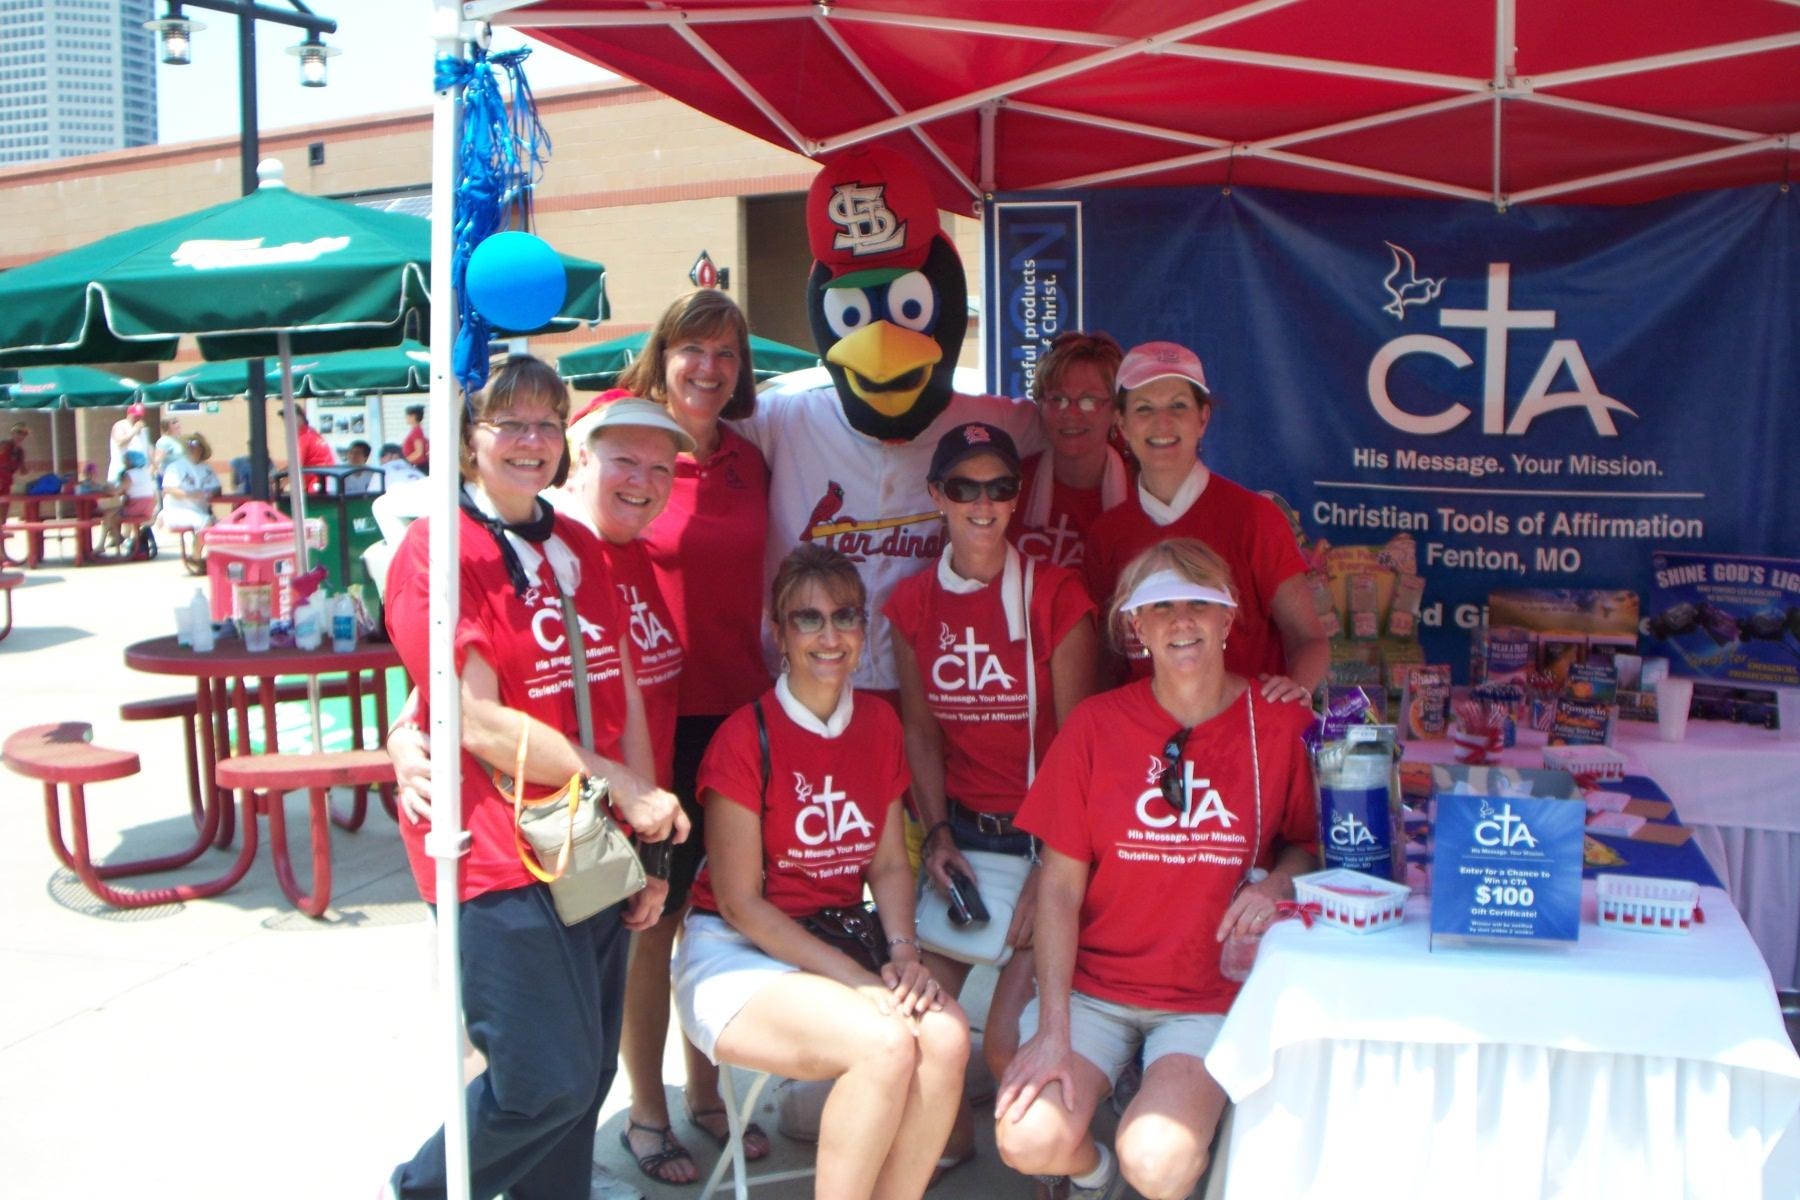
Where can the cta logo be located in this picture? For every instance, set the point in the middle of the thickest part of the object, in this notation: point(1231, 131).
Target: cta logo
point(1503, 829)
point(1497, 321)
point(1057, 543)
point(647, 630)
point(1203, 801)
point(1349, 833)
point(826, 815)
point(547, 627)
point(967, 665)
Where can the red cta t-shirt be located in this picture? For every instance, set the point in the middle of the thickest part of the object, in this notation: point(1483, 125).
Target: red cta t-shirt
point(1073, 512)
point(1244, 529)
point(656, 653)
point(974, 676)
point(1159, 883)
point(524, 641)
point(707, 548)
point(828, 800)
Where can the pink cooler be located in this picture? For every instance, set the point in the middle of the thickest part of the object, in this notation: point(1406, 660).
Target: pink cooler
point(257, 536)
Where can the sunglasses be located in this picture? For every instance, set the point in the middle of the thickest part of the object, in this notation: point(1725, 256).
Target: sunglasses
point(514, 431)
point(1087, 404)
point(811, 620)
point(961, 490)
point(1172, 790)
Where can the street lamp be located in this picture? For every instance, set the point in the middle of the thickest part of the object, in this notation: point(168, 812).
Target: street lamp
point(175, 33)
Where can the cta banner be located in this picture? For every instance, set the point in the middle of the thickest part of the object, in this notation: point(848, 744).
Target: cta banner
point(1537, 397)
point(1507, 868)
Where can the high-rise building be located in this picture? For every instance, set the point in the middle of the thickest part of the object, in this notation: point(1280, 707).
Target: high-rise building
point(76, 77)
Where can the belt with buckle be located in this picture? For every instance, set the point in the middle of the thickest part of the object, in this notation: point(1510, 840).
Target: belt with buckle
point(991, 824)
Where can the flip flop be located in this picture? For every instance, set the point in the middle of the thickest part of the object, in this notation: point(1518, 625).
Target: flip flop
point(652, 1164)
point(752, 1130)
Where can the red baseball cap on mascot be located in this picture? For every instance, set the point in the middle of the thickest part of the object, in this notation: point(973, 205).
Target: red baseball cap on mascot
point(870, 217)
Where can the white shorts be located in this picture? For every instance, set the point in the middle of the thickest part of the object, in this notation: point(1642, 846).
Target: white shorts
point(176, 519)
point(1109, 1034)
point(715, 972)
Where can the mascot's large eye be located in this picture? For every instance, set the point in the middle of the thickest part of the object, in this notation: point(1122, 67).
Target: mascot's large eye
point(846, 310)
point(911, 302)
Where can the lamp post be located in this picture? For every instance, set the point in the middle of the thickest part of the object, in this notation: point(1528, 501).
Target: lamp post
point(175, 32)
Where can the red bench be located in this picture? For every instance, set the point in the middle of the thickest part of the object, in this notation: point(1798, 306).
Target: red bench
point(63, 756)
point(8, 581)
point(34, 531)
point(263, 779)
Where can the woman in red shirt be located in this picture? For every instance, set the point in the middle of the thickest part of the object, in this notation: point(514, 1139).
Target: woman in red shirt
point(551, 1046)
point(802, 793)
point(975, 730)
point(1175, 813)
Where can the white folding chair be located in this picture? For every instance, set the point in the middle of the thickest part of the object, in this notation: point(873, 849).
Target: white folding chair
point(737, 1116)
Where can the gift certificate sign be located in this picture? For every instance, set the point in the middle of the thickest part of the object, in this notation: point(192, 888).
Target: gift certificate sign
point(1507, 868)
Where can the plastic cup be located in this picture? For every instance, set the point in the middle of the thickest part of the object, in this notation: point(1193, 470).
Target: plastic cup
point(1787, 701)
point(1237, 956)
point(1673, 699)
point(252, 602)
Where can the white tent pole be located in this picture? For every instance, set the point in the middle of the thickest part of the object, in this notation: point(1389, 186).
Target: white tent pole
point(291, 420)
point(447, 842)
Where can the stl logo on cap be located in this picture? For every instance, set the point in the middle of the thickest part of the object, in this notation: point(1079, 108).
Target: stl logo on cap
point(975, 435)
point(870, 209)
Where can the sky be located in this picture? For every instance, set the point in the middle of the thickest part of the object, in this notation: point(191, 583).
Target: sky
point(385, 66)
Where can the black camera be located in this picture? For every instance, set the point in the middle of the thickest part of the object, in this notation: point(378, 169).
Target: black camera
point(966, 907)
point(657, 857)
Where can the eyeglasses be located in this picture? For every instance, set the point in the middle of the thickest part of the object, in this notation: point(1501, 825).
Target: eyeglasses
point(1172, 790)
point(514, 431)
point(960, 489)
point(811, 620)
point(1057, 402)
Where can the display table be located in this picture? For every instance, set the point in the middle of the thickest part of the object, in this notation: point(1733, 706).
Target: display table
point(1630, 1064)
point(1738, 789)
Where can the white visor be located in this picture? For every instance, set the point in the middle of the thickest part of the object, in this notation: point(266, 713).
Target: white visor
point(1173, 585)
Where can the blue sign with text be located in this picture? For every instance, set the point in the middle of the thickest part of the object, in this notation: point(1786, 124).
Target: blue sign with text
point(1507, 867)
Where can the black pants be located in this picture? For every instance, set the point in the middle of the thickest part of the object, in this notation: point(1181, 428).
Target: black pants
point(543, 1002)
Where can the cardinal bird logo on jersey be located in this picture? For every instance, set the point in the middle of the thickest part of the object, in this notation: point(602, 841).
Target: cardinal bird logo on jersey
point(825, 509)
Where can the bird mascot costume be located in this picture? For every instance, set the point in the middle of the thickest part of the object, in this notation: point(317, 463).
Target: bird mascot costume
point(889, 308)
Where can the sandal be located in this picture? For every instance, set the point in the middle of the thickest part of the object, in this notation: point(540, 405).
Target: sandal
point(653, 1164)
point(756, 1142)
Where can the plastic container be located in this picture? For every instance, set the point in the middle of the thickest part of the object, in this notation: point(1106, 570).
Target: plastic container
point(1601, 762)
point(1352, 900)
point(1646, 904)
point(256, 538)
point(1357, 788)
point(343, 624)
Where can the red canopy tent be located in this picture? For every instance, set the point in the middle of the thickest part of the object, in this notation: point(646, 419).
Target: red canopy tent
point(1507, 101)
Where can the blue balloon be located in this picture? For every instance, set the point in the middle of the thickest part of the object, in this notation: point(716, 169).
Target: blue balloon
point(516, 281)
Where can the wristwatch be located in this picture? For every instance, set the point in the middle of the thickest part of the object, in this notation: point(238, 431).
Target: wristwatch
point(657, 857)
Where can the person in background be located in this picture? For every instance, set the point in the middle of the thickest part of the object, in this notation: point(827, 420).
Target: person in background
point(416, 447)
point(543, 999)
point(188, 488)
point(395, 466)
point(962, 632)
point(356, 454)
point(1080, 476)
point(709, 540)
point(90, 482)
point(1229, 797)
point(802, 791)
point(1165, 409)
point(136, 489)
point(128, 433)
point(169, 448)
point(12, 463)
point(315, 451)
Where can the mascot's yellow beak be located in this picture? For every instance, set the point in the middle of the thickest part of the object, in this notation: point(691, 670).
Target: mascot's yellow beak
point(886, 366)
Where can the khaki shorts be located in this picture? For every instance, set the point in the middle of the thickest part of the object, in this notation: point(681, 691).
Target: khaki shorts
point(1109, 1034)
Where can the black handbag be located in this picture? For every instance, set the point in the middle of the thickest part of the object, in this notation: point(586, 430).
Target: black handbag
point(855, 929)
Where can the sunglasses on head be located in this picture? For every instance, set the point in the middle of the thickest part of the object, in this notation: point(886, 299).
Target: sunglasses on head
point(1172, 789)
point(959, 489)
point(811, 620)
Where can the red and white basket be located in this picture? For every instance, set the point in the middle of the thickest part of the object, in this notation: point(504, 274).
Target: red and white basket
point(1647, 905)
point(1599, 762)
point(1351, 900)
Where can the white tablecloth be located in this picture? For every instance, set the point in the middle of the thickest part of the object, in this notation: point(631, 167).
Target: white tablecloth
point(1738, 789)
point(1629, 1065)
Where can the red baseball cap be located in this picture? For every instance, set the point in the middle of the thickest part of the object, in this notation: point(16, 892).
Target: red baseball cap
point(1160, 360)
point(870, 216)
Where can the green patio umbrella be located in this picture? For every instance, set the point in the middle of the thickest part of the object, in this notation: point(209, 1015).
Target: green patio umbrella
point(594, 368)
point(402, 368)
point(68, 387)
point(329, 274)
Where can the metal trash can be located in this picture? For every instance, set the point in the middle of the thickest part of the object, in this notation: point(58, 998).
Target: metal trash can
point(343, 498)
